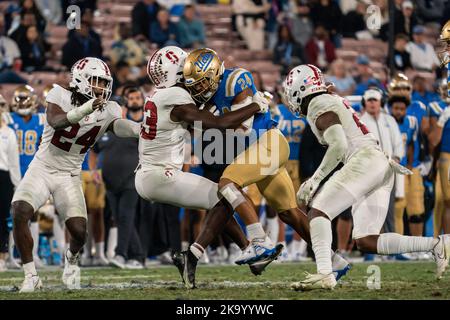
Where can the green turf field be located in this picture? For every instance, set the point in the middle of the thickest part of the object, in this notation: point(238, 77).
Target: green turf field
point(399, 280)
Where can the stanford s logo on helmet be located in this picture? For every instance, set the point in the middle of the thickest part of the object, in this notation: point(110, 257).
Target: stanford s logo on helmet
point(301, 82)
point(86, 74)
point(165, 67)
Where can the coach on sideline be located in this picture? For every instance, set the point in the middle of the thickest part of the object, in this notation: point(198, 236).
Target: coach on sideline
point(385, 129)
point(9, 179)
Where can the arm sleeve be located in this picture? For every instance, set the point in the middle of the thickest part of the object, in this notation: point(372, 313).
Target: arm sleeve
point(13, 159)
point(337, 143)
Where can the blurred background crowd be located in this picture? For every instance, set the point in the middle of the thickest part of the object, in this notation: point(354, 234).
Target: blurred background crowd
point(342, 37)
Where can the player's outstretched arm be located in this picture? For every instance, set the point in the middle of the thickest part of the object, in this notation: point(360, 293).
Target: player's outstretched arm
point(57, 118)
point(231, 120)
point(124, 128)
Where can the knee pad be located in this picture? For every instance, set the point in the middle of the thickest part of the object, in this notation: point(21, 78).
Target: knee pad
point(232, 195)
point(416, 218)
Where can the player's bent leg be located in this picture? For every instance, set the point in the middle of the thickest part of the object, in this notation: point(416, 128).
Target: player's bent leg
point(262, 159)
point(22, 214)
point(369, 215)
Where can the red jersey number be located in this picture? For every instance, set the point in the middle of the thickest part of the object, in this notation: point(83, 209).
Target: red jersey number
point(360, 125)
point(148, 131)
point(87, 140)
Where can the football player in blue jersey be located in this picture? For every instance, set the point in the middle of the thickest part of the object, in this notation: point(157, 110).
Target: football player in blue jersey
point(28, 127)
point(405, 199)
point(26, 123)
point(263, 162)
point(400, 90)
point(440, 139)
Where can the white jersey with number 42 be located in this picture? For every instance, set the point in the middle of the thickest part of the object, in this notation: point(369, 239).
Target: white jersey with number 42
point(65, 149)
point(358, 136)
point(162, 141)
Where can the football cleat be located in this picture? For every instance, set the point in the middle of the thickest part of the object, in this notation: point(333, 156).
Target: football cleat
point(315, 281)
point(258, 250)
point(190, 267)
point(31, 283)
point(258, 267)
point(71, 274)
point(441, 252)
point(186, 264)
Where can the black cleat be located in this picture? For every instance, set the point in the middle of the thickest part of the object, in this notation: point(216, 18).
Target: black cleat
point(178, 261)
point(190, 267)
point(257, 268)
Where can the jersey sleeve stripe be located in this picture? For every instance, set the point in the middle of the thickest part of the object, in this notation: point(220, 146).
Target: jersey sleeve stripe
point(436, 108)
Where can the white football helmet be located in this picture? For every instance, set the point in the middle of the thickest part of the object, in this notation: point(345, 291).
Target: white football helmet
point(165, 67)
point(86, 74)
point(301, 82)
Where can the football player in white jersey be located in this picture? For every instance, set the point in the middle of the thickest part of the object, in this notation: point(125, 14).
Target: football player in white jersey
point(75, 118)
point(364, 182)
point(161, 154)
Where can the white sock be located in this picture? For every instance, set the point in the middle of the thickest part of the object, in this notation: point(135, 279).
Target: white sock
point(321, 238)
point(184, 245)
point(34, 229)
point(273, 228)
point(255, 230)
point(394, 243)
point(100, 249)
point(112, 243)
point(29, 268)
point(197, 250)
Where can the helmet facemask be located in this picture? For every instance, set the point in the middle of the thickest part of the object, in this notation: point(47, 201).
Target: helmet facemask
point(24, 103)
point(105, 91)
point(292, 100)
point(203, 89)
